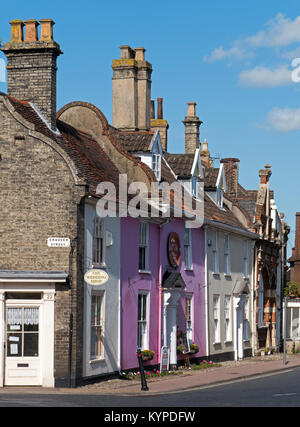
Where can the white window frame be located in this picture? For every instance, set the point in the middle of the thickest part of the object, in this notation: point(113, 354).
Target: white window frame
point(144, 245)
point(156, 165)
point(143, 320)
point(99, 243)
point(99, 325)
point(293, 321)
point(216, 316)
point(189, 317)
point(246, 326)
point(195, 186)
point(246, 260)
point(228, 318)
point(215, 253)
point(188, 248)
point(219, 196)
point(227, 269)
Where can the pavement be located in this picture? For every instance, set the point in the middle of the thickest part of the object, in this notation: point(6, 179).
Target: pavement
point(190, 379)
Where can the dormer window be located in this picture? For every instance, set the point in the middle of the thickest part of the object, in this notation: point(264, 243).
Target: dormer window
point(195, 186)
point(156, 165)
point(219, 197)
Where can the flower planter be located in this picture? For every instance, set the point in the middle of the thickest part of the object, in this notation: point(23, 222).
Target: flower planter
point(147, 358)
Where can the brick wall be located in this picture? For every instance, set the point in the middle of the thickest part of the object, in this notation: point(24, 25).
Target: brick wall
point(38, 199)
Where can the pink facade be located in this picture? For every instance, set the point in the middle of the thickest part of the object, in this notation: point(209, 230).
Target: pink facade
point(133, 282)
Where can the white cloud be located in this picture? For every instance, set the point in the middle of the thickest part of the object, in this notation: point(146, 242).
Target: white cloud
point(220, 54)
point(278, 32)
point(292, 54)
point(284, 120)
point(266, 77)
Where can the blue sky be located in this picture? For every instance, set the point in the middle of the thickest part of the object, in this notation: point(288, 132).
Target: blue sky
point(232, 58)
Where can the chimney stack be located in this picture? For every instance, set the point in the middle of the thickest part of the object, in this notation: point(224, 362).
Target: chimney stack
point(192, 129)
point(161, 125)
point(265, 174)
point(31, 66)
point(231, 170)
point(131, 90)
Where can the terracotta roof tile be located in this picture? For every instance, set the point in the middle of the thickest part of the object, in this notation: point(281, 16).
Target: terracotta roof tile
point(181, 163)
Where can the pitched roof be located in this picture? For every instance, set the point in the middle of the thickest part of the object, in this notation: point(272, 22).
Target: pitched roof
point(213, 213)
point(91, 162)
point(210, 177)
point(181, 164)
point(134, 141)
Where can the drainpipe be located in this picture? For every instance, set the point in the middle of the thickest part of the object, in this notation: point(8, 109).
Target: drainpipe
point(254, 298)
point(159, 296)
point(71, 314)
point(206, 294)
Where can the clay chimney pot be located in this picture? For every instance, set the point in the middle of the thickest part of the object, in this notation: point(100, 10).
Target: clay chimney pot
point(47, 30)
point(17, 31)
point(31, 30)
point(140, 54)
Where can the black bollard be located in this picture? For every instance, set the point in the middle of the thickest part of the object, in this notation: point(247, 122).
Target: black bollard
point(142, 371)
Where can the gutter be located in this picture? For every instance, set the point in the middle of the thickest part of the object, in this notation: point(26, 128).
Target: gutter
point(232, 229)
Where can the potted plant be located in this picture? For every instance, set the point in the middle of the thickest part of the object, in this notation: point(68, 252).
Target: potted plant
point(194, 348)
point(262, 351)
point(181, 349)
point(147, 355)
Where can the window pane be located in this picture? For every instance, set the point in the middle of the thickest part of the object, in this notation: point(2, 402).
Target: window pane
point(31, 345)
point(14, 345)
point(142, 258)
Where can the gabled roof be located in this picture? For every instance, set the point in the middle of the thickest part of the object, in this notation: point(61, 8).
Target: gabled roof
point(221, 215)
point(92, 163)
point(181, 164)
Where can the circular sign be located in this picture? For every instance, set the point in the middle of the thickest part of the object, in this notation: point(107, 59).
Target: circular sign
point(96, 277)
point(174, 253)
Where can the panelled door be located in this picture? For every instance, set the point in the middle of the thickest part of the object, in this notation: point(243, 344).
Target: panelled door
point(23, 358)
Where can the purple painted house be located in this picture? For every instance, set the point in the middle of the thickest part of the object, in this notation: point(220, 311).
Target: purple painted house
point(160, 303)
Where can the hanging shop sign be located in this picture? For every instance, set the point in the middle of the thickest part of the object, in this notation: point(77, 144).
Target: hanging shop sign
point(96, 277)
point(174, 252)
point(58, 242)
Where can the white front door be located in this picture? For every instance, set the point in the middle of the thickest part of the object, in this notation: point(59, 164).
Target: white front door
point(23, 344)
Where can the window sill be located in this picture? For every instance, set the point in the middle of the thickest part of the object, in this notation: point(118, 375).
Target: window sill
point(217, 343)
point(94, 361)
point(228, 342)
point(189, 269)
point(102, 265)
point(227, 276)
point(216, 274)
point(145, 272)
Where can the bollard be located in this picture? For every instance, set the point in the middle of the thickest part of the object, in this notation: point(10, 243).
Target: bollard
point(143, 378)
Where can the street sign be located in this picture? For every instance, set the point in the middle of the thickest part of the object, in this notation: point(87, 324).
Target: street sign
point(165, 359)
point(58, 242)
